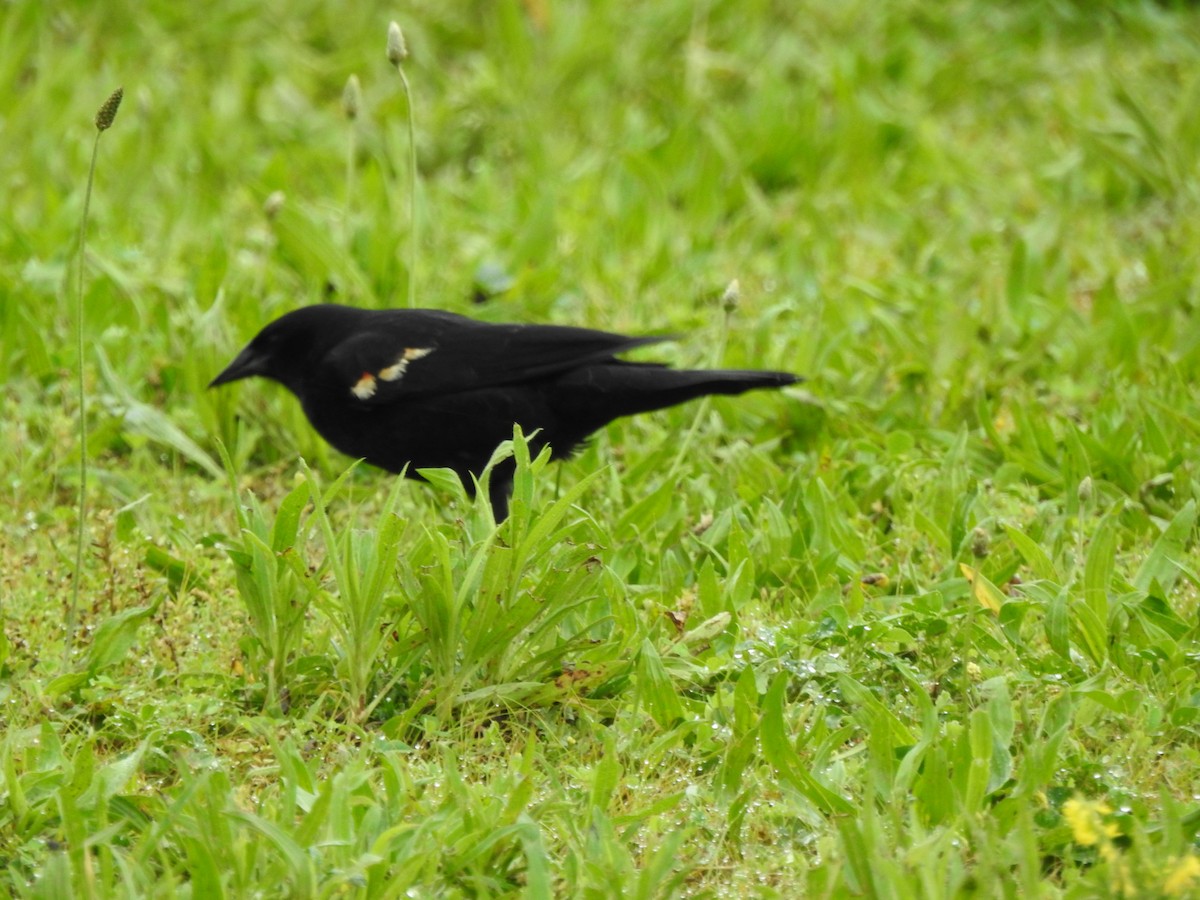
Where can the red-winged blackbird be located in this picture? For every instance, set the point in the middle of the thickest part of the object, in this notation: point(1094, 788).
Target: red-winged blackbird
point(431, 389)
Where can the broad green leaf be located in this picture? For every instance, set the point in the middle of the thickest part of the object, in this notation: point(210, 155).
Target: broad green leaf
point(539, 884)
point(1035, 557)
point(981, 747)
point(1098, 570)
point(298, 871)
point(287, 517)
point(606, 775)
point(114, 777)
point(655, 688)
point(1092, 631)
point(778, 751)
point(152, 423)
point(1158, 613)
point(1000, 714)
point(1160, 564)
point(1058, 625)
point(115, 636)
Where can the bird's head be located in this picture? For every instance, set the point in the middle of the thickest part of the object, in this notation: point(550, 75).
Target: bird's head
point(288, 349)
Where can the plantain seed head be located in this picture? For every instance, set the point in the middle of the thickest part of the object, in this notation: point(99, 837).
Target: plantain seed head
point(397, 50)
point(1086, 489)
point(731, 296)
point(274, 203)
point(981, 543)
point(352, 97)
point(108, 112)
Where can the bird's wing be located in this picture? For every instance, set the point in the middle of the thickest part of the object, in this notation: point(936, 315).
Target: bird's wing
point(429, 355)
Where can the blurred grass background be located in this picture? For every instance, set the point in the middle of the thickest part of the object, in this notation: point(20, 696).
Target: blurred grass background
point(973, 226)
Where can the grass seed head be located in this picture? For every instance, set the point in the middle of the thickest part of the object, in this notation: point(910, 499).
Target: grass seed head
point(352, 97)
point(108, 112)
point(731, 296)
point(981, 543)
point(1086, 489)
point(397, 50)
point(274, 203)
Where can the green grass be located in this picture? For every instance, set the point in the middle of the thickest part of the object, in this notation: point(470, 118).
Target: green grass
point(927, 626)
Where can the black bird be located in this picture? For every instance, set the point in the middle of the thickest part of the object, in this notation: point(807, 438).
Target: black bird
point(431, 389)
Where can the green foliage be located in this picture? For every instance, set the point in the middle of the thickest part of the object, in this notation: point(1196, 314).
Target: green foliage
point(273, 585)
point(926, 626)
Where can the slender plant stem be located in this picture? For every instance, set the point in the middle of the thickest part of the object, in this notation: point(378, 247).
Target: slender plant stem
point(351, 106)
point(81, 529)
point(351, 152)
point(412, 191)
point(728, 302)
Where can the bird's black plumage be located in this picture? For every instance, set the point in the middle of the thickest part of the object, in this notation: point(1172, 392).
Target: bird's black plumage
point(431, 389)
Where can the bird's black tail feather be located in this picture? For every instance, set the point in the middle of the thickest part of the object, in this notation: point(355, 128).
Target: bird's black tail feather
point(613, 391)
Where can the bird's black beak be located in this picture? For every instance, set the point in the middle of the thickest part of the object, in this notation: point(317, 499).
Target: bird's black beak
point(247, 363)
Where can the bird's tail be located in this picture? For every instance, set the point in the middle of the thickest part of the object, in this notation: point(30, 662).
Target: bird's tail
point(612, 391)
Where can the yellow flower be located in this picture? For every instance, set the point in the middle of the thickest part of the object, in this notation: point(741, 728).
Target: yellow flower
point(1086, 818)
point(1183, 876)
